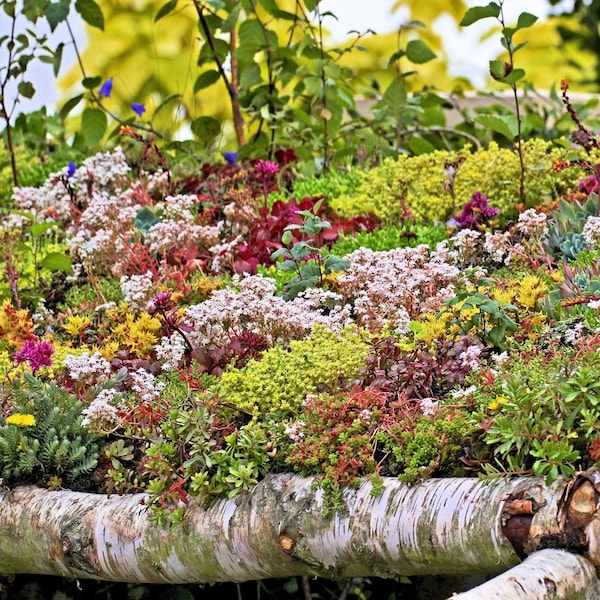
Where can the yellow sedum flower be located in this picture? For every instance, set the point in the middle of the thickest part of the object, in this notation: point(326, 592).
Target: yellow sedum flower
point(497, 402)
point(532, 290)
point(76, 325)
point(20, 420)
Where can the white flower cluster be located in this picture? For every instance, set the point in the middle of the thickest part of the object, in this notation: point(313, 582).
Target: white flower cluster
point(255, 305)
point(85, 367)
point(532, 223)
point(170, 350)
point(145, 386)
point(470, 358)
point(591, 232)
point(499, 246)
point(137, 290)
point(294, 432)
point(391, 288)
point(102, 415)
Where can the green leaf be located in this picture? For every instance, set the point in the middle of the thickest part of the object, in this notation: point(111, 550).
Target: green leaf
point(56, 13)
point(57, 59)
point(394, 97)
point(514, 76)
point(38, 229)
point(69, 105)
point(419, 52)
point(91, 13)
point(419, 145)
point(525, 20)
point(91, 82)
point(166, 101)
point(206, 79)
point(476, 13)
point(505, 125)
point(206, 128)
point(57, 261)
point(311, 4)
point(26, 89)
point(232, 18)
point(93, 125)
point(165, 9)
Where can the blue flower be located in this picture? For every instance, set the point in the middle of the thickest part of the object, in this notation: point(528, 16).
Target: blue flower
point(106, 88)
point(138, 109)
point(230, 157)
point(71, 170)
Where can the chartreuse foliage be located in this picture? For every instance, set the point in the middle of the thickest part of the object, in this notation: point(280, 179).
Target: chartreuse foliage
point(281, 379)
point(44, 438)
point(417, 182)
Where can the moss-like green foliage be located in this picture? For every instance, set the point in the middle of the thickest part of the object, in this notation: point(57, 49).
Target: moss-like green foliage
point(388, 238)
point(419, 182)
point(45, 439)
point(282, 378)
point(332, 185)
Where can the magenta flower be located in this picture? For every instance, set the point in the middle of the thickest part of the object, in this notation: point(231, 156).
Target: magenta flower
point(266, 168)
point(476, 212)
point(138, 109)
point(106, 88)
point(37, 353)
point(162, 303)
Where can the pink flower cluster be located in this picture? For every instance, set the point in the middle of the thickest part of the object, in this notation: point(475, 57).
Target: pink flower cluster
point(38, 353)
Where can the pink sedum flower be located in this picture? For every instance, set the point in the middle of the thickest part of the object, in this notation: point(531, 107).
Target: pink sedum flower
point(35, 352)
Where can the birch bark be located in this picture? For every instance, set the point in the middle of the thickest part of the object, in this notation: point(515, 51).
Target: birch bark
point(280, 529)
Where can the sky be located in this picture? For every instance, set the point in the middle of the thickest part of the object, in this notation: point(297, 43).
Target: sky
point(468, 55)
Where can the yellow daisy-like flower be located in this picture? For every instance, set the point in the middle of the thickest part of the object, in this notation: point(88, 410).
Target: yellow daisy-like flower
point(497, 402)
point(20, 420)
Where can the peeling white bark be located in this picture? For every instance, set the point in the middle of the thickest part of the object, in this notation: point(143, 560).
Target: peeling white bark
point(444, 526)
point(545, 575)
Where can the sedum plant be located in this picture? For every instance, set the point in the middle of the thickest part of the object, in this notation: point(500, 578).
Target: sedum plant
point(43, 440)
point(280, 380)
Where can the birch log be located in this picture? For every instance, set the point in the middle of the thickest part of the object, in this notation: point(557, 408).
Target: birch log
point(545, 575)
point(280, 529)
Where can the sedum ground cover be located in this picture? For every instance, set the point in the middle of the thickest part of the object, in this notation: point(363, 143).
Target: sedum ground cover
point(184, 334)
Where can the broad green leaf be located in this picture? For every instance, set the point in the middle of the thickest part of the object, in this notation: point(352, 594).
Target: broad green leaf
point(251, 33)
point(506, 125)
point(90, 12)
point(56, 13)
point(525, 20)
point(419, 52)
point(165, 9)
point(206, 128)
point(166, 101)
point(311, 4)
point(419, 145)
point(93, 125)
point(69, 105)
point(394, 97)
point(38, 229)
point(206, 79)
point(91, 82)
point(26, 89)
point(57, 261)
point(476, 13)
point(514, 76)
point(232, 19)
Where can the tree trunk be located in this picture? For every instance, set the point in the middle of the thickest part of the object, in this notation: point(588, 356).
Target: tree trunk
point(545, 575)
point(280, 529)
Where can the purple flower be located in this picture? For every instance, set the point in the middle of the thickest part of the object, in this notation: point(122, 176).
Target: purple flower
point(162, 302)
point(71, 170)
point(106, 88)
point(266, 168)
point(476, 212)
point(230, 157)
point(37, 353)
point(138, 109)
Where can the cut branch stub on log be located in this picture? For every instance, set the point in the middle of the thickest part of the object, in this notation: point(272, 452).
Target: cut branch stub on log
point(280, 529)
